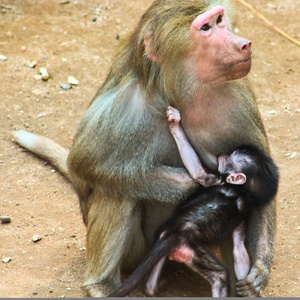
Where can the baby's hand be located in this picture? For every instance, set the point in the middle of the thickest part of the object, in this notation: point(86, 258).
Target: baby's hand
point(173, 116)
point(208, 180)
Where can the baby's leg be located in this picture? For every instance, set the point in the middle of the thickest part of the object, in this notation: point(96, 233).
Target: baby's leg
point(240, 254)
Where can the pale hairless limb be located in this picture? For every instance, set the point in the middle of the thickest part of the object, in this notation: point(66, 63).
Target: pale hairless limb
point(198, 173)
point(188, 155)
point(240, 254)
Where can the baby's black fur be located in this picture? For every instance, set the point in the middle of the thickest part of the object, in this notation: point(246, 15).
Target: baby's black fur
point(211, 215)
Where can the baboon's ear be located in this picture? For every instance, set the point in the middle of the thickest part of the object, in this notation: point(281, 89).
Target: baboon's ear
point(236, 178)
point(148, 39)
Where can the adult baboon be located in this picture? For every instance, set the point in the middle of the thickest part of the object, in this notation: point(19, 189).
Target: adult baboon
point(124, 163)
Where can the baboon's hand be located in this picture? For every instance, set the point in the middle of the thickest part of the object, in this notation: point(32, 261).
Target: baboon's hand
point(254, 283)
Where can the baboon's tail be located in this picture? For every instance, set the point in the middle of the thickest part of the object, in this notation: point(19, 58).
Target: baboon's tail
point(45, 148)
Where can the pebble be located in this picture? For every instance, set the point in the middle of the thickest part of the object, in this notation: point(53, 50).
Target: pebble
point(65, 86)
point(6, 259)
point(32, 63)
point(23, 48)
point(36, 238)
point(44, 73)
point(73, 80)
point(5, 219)
point(2, 57)
point(37, 77)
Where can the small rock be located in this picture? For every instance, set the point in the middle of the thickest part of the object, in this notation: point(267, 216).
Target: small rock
point(2, 57)
point(5, 219)
point(44, 73)
point(36, 238)
point(65, 86)
point(32, 63)
point(37, 77)
point(6, 259)
point(37, 92)
point(23, 48)
point(73, 80)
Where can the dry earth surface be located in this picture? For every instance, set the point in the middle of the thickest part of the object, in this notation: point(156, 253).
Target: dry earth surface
point(78, 39)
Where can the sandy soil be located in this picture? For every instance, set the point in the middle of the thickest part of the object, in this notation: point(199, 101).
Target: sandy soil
point(78, 39)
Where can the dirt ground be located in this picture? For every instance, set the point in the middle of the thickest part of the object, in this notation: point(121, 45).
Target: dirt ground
point(78, 39)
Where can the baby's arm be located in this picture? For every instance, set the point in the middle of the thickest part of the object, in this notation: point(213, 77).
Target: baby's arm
point(187, 153)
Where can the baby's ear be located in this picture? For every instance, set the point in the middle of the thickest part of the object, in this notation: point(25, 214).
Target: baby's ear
point(236, 178)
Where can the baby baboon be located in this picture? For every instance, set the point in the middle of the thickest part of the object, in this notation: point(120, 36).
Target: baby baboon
point(249, 178)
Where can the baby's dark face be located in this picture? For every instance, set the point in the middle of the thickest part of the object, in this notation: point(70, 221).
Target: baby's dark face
point(224, 164)
point(236, 162)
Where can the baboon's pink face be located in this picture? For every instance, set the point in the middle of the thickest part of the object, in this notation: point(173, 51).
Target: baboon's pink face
point(217, 53)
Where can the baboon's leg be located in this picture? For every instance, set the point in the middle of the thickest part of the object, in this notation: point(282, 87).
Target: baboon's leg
point(113, 228)
point(211, 268)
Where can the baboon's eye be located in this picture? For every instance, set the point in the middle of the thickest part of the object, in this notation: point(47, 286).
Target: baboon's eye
point(205, 27)
point(220, 19)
